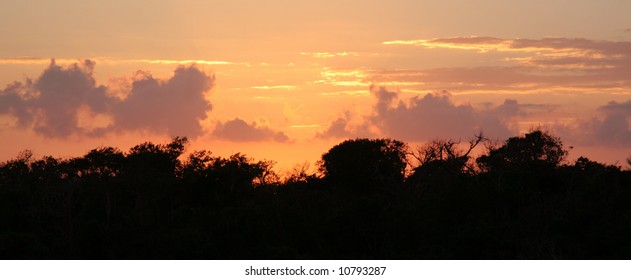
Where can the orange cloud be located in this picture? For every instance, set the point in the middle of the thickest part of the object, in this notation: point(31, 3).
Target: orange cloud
point(285, 87)
point(543, 64)
point(482, 44)
point(329, 54)
point(562, 52)
point(517, 45)
point(27, 60)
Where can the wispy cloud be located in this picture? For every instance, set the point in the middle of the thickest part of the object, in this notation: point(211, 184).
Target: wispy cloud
point(485, 44)
point(345, 92)
point(175, 61)
point(329, 54)
point(569, 53)
point(306, 126)
point(285, 87)
point(343, 77)
point(529, 64)
point(27, 60)
point(482, 44)
point(329, 72)
point(44, 61)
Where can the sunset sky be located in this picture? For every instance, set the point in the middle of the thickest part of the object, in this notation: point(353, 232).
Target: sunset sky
point(287, 80)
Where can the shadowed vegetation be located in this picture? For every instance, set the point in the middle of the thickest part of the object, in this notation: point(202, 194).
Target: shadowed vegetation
point(370, 199)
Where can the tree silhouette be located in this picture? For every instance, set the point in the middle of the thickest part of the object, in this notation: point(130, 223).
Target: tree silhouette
point(300, 174)
point(16, 170)
point(440, 161)
point(537, 149)
point(148, 159)
point(100, 162)
point(237, 172)
point(365, 165)
point(523, 202)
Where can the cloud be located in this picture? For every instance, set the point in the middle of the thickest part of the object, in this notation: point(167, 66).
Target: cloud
point(49, 105)
point(529, 64)
point(13, 101)
point(551, 44)
point(337, 129)
point(344, 128)
point(329, 54)
point(615, 127)
point(173, 61)
point(482, 44)
point(384, 99)
point(345, 92)
point(29, 60)
point(174, 106)
point(342, 77)
point(433, 115)
point(285, 87)
point(240, 131)
point(66, 101)
point(561, 52)
point(612, 127)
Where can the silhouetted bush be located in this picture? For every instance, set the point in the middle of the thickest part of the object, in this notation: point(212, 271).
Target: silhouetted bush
point(523, 201)
point(536, 149)
point(365, 165)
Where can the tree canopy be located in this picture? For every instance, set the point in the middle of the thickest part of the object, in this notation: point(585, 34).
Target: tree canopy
point(365, 164)
point(371, 199)
point(536, 149)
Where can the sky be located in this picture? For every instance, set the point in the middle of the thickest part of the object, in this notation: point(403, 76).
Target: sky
point(287, 80)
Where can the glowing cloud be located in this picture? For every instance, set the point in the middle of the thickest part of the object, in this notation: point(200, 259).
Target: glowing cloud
point(329, 54)
point(482, 44)
point(547, 51)
point(528, 65)
point(103, 60)
point(285, 87)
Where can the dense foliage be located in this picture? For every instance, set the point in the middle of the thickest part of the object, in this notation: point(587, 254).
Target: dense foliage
point(371, 199)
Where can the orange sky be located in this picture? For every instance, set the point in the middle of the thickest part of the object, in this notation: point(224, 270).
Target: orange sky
point(286, 80)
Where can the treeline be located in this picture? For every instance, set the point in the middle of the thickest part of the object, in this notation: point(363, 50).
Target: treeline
point(369, 199)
